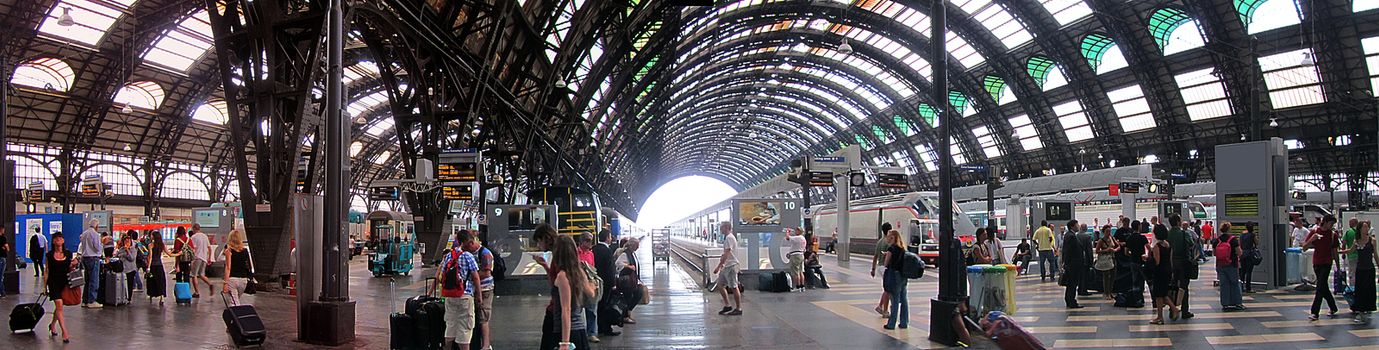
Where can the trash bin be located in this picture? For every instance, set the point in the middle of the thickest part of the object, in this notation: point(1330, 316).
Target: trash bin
point(1308, 276)
point(1292, 265)
point(976, 286)
point(996, 290)
point(1011, 271)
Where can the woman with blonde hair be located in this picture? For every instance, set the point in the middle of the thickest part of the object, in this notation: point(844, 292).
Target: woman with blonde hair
point(239, 267)
point(894, 281)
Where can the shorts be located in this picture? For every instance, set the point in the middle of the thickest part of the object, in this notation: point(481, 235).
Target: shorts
point(796, 262)
point(198, 268)
point(727, 277)
point(459, 318)
point(485, 307)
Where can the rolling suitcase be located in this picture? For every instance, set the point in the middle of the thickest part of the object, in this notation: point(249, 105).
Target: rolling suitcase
point(114, 289)
point(428, 315)
point(25, 317)
point(402, 330)
point(243, 324)
point(1010, 336)
point(183, 292)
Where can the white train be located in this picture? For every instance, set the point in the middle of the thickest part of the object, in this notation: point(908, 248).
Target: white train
point(867, 215)
point(1098, 214)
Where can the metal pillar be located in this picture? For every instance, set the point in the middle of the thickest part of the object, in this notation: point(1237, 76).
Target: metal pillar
point(951, 282)
point(844, 203)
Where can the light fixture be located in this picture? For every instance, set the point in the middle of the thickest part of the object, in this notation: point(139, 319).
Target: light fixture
point(127, 147)
point(1307, 59)
point(845, 48)
point(65, 19)
point(127, 109)
point(1273, 122)
point(1242, 136)
point(560, 83)
point(474, 133)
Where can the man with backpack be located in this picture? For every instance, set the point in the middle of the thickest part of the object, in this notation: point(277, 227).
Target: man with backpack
point(1184, 268)
point(1227, 251)
point(458, 276)
point(483, 305)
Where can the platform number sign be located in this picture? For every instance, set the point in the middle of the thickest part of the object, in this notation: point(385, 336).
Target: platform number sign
point(1058, 211)
point(792, 206)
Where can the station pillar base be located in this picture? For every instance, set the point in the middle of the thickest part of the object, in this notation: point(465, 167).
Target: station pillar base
point(329, 323)
point(941, 322)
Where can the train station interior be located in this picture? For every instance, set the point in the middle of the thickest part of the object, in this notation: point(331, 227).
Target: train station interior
point(689, 174)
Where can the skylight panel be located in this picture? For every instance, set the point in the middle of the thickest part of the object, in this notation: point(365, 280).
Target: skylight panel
point(1046, 73)
point(1067, 11)
point(91, 20)
point(1025, 132)
point(1371, 46)
point(1132, 108)
point(182, 46)
point(144, 94)
point(1366, 5)
point(1102, 53)
point(970, 6)
point(359, 70)
point(927, 156)
point(1074, 121)
point(355, 148)
point(383, 157)
point(365, 103)
point(1291, 82)
point(1204, 94)
point(915, 20)
point(960, 49)
point(44, 73)
point(986, 141)
point(1003, 25)
point(1265, 15)
point(377, 129)
point(1175, 31)
point(214, 112)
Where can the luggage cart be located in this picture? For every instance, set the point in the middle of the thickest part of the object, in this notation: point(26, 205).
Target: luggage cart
point(660, 245)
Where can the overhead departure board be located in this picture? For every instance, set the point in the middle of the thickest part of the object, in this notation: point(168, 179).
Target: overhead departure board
point(457, 171)
point(384, 193)
point(461, 192)
point(1242, 205)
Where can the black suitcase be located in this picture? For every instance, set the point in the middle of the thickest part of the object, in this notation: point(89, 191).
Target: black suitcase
point(428, 315)
point(114, 289)
point(25, 317)
point(402, 331)
point(243, 324)
point(766, 282)
point(11, 282)
point(780, 282)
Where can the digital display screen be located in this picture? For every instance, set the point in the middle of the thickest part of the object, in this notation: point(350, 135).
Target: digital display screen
point(459, 171)
point(1058, 211)
point(893, 180)
point(1242, 205)
point(457, 192)
point(762, 213)
point(821, 178)
point(526, 219)
point(1173, 208)
point(207, 218)
point(383, 193)
point(91, 189)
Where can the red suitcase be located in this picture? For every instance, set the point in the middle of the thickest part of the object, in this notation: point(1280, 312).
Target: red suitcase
point(1010, 336)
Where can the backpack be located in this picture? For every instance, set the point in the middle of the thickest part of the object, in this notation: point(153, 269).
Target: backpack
point(913, 266)
point(452, 280)
point(499, 269)
point(593, 278)
point(142, 257)
point(188, 252)
point(1224, 253)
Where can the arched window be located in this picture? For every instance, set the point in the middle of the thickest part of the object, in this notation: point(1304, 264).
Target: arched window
point(144, 94)
point(185, 186)
point(1278, 14)
point(929, 114)
point(958, 101)
point(1046, 73)
point(1175, 31)
point(996, 86)
point(881, 134)
point(27, 170)
point(355, 148)
point(1102, 53)
point(214, 112)
point(44, 73)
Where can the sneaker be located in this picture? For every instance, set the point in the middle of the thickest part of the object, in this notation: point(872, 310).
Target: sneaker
point(888, 327)
point(735, 312)
point(1358, 320)
point(1187, 315)
point(1312, 317)
point(96, 305)
point(594, 339)
point(725, 310)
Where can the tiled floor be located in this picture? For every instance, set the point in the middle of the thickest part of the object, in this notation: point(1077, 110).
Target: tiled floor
point(682, 316)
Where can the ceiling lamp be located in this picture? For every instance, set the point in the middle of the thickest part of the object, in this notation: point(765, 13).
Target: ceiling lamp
point(360, 121)
point(845, 47)
point(127, 147)
point(560, 83)
point(474, 133)
point(65, 19)
point(127, 109)
point(1273, 122)
point(1307, 59)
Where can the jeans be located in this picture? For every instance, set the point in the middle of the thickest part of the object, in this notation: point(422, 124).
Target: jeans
point(1247, 269)
point(1323, 288)
point(1229, 277)
point(2, 276)
point(38, 265)
point(1181, 289)
point(814, 276)
point(900, 303)
point(134, 281)
point(591, 319)
point(1047, 262)
point(1024, 260)
point(93, 279)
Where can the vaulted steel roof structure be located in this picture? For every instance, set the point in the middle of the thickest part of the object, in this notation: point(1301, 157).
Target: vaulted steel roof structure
point(622, 96)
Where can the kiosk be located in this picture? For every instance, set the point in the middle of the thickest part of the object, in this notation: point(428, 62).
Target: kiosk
point(761, 222)
point(510, 230)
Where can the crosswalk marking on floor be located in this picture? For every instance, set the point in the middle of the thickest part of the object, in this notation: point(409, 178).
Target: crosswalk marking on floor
point(1112, 343)
point(915, 335)
point(1067, 329)
point(1305, 323)
point(1182, 327)
point(1366, 333)
point(1262, 338)
point(1059, 309)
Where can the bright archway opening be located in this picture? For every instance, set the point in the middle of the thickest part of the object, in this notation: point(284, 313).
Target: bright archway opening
point(680, 198)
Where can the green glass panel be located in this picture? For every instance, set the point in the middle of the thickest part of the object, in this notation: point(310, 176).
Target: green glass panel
point(1094, 47)
point(1164, 21)
point(1038, 67)
point(928, 113)
point(995, 86)
point(1246, 10)
point(903, 125)
point(959, 102)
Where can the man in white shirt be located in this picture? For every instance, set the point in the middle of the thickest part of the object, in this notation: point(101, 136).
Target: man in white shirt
point(794, 240)
point(1299, 232)
point(727, 271)
point(91, 258)
point(201, 246)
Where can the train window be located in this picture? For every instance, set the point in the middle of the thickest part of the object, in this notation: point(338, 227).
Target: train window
point(583, 201)
point(920, 209)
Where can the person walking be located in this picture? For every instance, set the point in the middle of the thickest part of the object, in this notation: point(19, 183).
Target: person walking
point(135, 265)
point(564, 328)
point(239, 266)
point(38, 251)
point(1160, 254)
point(1324, 242)
point(156, 284)
point(1184, 268)
point(1249, 255)
point(727, 270)
point(1048, 253)
point(1348, 252)
point(895, 281)
point(59, 263)
point(629, 285)
point(1366, 260)
point(1228, 253)
point(182, 255)
point(1075, 260)
point(458, 276)
point(883, 306)
point(1300, 232)
point(603, 264)
point(91, 252)
point(1105, 263)
point(201, 254)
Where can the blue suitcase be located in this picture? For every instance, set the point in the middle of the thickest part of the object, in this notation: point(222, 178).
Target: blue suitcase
point(183, 292)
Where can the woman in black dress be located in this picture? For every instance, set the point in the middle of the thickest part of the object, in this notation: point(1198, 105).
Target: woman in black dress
point(157, 284)
point(1160, 254)
point(1363, 305)
point(59, 264)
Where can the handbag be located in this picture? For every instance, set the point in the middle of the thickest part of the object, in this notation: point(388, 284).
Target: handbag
point(71, 296)
point(1104, 262)
point(251, 286)
point(76, 278)
point(646, 295)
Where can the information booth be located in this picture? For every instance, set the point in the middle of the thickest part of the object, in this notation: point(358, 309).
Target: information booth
point(759, 224)
point(510, 231)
